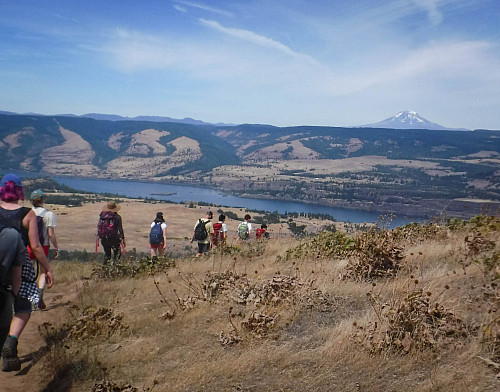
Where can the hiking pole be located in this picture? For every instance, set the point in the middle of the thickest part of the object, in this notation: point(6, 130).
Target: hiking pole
point(123, 248)
point(96, 244)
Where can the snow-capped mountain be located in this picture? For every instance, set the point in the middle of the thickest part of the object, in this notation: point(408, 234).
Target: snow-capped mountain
point(409, 120)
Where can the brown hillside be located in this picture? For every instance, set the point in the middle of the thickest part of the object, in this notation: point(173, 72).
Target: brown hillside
point(413, 308)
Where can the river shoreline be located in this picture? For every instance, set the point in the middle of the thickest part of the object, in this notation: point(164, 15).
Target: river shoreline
point(424, 210)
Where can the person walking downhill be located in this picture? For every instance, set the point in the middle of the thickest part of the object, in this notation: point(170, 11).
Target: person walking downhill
point(158, 236)
point(245, 228)
point(46, 234)
point(262, 232)
point(23, 219)
point(203, 233)
point(12, 258)
point(110, 231)
point(220, 231)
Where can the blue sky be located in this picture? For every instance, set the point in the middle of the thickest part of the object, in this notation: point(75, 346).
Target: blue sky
point(281, 62)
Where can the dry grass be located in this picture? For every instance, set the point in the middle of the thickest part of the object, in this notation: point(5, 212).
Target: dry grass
point(253, 321)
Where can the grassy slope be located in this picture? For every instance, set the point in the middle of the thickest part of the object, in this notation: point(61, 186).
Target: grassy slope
point(312, 338)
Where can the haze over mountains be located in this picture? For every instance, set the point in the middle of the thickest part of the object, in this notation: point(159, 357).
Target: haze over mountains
point(401, 120)
point(115, 117)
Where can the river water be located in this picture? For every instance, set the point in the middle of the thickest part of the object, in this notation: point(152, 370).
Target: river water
point(183, 193)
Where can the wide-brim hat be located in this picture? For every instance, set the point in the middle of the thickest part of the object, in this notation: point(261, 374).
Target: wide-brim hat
point(111, 206)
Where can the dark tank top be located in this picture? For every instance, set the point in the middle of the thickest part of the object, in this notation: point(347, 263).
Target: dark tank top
point(14, 219)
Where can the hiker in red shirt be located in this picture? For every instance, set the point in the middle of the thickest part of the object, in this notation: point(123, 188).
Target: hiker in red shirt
point(220, 231)
point(262, 232)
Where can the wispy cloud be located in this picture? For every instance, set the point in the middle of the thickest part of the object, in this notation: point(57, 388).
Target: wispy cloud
point(431, 6)
point(203, 7)
point(180, 8)
point(257, 39)
point(439, 61)
point(67, 18)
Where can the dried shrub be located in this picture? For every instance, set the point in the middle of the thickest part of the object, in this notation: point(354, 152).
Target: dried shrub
point(416, 232)
point(265, 302)
point(109, 386)
point(96, 323)
point(484, 223)
point(411, 322)
point(229, 339)
point(377, 255)
point(491, 325)
point(492, 266)
point(477, 243)
point(131, 268)
point(259, 324)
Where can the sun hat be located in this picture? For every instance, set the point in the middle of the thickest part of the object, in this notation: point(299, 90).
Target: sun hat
point(37, 194)
point(111, 206)
point(11, 177)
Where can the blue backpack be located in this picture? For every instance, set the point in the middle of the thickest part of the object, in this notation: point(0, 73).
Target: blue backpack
point(156, 234)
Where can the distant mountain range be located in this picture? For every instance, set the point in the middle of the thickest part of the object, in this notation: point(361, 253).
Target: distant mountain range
point(402, 120)
point(409, 120)
point(115, 117)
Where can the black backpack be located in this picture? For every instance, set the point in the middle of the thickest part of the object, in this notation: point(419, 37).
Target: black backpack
point(200, 231)
point(41, 231)
point(156, 234)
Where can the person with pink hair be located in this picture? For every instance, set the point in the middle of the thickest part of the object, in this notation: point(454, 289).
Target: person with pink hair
point(23, 219)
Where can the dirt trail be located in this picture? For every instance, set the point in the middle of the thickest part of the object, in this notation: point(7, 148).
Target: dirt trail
point(32, 377)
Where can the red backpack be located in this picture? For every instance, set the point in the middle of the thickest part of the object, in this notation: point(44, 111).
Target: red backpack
point(259, 233)
point(107, 227)
point(217, 232)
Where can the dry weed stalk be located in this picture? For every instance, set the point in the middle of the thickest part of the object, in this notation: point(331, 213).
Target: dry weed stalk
point(409, 321)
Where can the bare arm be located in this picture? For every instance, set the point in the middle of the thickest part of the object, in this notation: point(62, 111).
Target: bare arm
point(29, 222)
point(53, 239)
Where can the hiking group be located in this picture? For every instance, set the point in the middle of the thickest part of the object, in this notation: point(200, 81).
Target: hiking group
point(26, 235)
point(214, 235)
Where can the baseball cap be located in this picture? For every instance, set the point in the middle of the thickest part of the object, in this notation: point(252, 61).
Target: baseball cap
point(37, 194)
point(11, 177)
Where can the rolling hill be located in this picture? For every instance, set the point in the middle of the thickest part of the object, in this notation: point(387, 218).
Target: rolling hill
point(412, 171)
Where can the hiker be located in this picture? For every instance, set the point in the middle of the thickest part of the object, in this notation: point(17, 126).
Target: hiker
point(110, 231)
point(12, 258)
point(203, 233)
point(245, 228)
point(23, 219)
point(46, 223)
point(220, 231)
point(158, 236)
point(262, 232)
